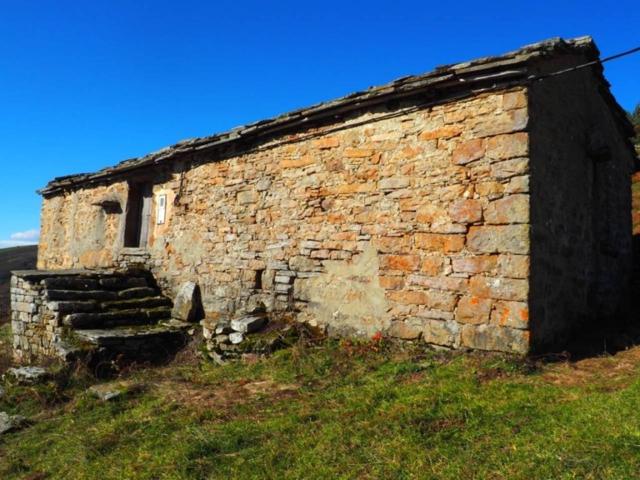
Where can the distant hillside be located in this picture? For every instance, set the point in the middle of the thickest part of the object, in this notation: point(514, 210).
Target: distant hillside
point(16, 258)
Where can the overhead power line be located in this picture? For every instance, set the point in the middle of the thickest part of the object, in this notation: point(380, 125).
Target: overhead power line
point(600, 61)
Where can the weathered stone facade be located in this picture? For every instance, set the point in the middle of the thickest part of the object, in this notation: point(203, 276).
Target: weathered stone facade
point(412, 216)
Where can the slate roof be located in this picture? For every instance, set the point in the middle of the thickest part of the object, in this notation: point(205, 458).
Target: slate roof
point(516, 67)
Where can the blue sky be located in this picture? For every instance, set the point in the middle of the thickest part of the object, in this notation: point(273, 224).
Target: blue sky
point(84, 85)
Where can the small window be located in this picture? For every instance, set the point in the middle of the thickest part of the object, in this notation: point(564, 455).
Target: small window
point(161, 213)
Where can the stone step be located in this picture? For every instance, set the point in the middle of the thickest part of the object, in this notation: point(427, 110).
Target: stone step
point(123, 283)
point(120, 335)
point(135, 303)
point(149, 343)
point(107, 348)
point(71, 306)
point(71, 283)
point(138, 292)
point(101, 295)
point(116, 318)
point(79, 295)
point(94, 283)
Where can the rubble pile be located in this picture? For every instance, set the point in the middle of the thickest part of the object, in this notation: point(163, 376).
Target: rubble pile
point(249, 336)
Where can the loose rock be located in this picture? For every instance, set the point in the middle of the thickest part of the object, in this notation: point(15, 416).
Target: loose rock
point(248, 324)
point(110, 391)
point(9, 423)
point(28, 375)
point(187, 305)
point(236, 337)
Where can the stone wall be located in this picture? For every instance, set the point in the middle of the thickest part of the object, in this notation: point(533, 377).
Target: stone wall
point(35, 328)
point(580, 208)
point(413, 222)
point(79, 231)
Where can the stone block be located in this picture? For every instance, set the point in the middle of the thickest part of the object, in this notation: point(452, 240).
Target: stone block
point(510, 209)
point(510, 168)
point(499, 239)
point(493, 338)
point(282, 288)
point(325, 143)
point(474, 264)
point(466, 211)
point(282, 279)
point(514, 266)
point(27, 375)
point(187, 306)
point(445, 132)
point(454, 284)
point(407, 263)
point(433, 314)
point(502, 147)
point(512, 100)
point(301, 263)
point(433, 299)
point(506, 122)
point(518, 184)
point(249, 324)
point(469, 151)
point(430, 213)
point(511, 314)
point(432, 265)
point(247, 196)
point(351, 152)
point(435, 242)
point(11, 423)
point(24, 307)
point(473, 310)
point(393, 183)
point(235, 338)
point(499, 288)
point(409, 329)
point(443, 333)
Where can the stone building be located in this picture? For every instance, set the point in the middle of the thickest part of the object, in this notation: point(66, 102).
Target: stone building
point(484, 205)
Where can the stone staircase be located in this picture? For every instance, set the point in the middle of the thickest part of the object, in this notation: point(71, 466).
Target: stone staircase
point(105, 314)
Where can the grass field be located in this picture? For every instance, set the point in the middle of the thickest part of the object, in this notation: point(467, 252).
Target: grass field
point(338, 410)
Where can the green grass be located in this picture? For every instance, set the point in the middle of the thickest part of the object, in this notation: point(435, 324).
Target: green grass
point(335, 411)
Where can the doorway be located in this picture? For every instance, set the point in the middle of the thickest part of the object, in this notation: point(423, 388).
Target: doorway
point(138, 215)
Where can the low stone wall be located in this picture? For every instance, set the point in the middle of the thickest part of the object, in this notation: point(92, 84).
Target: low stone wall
point(36, 329)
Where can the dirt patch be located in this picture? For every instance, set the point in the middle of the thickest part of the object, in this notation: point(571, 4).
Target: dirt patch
point(610, 372)
point(270, 388)
point(203, 397)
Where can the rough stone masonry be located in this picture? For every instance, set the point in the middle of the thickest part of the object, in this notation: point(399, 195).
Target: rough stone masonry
point(484, 205)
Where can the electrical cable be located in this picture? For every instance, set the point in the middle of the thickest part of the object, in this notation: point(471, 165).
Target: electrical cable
point(584, 65)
